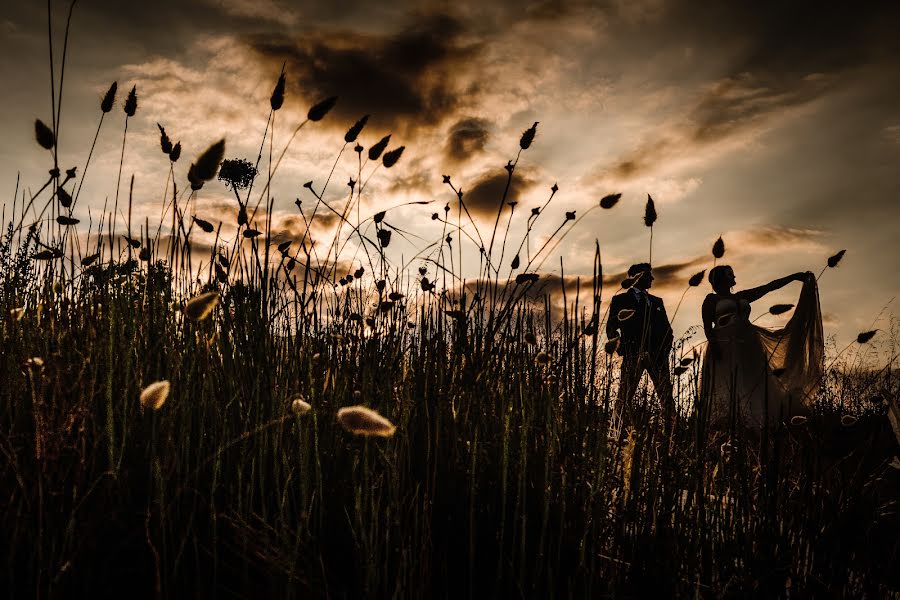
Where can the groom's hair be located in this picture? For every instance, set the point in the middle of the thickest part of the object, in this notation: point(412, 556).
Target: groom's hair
point(638, 268)
point(717, 273)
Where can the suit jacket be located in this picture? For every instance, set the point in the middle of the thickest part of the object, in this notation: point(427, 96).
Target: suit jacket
point(647, 330)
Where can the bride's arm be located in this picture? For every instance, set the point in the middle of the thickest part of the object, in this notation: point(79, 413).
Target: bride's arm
point(754, 294)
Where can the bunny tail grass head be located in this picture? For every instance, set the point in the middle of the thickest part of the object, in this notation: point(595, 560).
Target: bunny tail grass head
point(299, 406)
point(154, 395)
point(277, 99)
point(106, 104)
point(865, 336)
point(390, 158)
point(834, 260)
point(200, 307)
point(528, 136)
point(697, 278)
point(318, 112)
point(718, 249)
point(650, 212)
point(355, 130)
point(360, 420)
point(44, 135)
point(376, 150)
point(164, 141)
point(130, 106)
point(207, 165)
point(609, 201)
point(778, 309)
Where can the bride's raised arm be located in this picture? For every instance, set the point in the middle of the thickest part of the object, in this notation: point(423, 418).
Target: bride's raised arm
point(756, 293)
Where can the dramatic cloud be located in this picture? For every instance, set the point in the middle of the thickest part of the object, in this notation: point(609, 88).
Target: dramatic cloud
point(466, 139)
point(485, 195)
point(774, 239)
point(407, 80)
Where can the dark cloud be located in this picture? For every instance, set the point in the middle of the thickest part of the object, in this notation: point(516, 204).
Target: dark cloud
point(484, 198)
point(785, 55)
point(404, 80)
point(466, 139)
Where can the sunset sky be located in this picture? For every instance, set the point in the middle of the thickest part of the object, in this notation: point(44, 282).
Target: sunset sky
point(773, 124)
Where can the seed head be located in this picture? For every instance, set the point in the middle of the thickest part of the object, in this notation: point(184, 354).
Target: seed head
point(834, 260)
point(154, 395)
point(376, 150)
point(390, 158)
point(610, 200)
point(207, 165)
point(299, 406)
point(206, 226)
point(277, 99)
point(164, 140)
point(318, 112)
point(649, 212)
point(109, 99)
point(200, 307)
point(542, 358)
point(865, 336)
point(718, 249)
point(65, 199)
point(778, 309)
point(697, 278)
point(528, 136)
point(44, 135)
point(175, 154)
point(131, 102)
point(361, 420)
point(848, 420)
point(355, 130)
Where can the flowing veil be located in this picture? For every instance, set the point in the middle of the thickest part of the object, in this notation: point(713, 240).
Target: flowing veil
point(799, 347)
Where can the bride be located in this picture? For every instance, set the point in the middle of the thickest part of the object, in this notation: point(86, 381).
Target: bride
point(753, 374)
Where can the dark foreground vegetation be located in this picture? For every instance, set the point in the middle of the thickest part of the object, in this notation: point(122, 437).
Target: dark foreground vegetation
point(506, 476)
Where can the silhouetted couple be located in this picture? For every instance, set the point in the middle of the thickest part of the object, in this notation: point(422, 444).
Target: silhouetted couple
point(750, 374)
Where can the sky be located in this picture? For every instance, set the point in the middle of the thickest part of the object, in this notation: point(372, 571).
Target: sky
point(773, 124)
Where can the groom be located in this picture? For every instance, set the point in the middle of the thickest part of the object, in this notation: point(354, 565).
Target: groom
point(639, 320)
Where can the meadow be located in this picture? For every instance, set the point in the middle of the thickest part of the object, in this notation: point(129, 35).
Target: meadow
point(170, 426)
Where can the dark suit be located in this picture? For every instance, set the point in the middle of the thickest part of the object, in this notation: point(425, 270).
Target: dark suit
point(645, 344)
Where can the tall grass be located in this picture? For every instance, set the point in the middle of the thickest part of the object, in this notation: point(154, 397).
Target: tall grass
point(496, 468)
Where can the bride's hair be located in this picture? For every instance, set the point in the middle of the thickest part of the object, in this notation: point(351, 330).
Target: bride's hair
point(717, 274)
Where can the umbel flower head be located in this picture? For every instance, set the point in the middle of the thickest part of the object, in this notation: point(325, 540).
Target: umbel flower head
point(361, 420)
point(237, 173)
